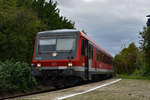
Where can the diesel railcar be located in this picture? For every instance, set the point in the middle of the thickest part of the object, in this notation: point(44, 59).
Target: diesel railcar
point(69, 54)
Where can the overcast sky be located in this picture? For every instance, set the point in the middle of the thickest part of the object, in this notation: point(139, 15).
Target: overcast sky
point(111, 23)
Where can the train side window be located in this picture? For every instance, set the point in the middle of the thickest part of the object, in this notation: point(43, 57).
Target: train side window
point(83, 48)
point(90, 51)
point(101, 56)
point(105, 59)
point(97, 55)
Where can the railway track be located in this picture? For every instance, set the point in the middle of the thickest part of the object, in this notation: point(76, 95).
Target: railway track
point(40, 89)
point(48, 89)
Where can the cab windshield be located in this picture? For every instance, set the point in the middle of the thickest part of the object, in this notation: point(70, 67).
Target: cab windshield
point(56, 44)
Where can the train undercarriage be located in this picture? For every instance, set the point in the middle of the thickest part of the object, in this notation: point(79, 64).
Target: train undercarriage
point(58, 78)
point(65, 78)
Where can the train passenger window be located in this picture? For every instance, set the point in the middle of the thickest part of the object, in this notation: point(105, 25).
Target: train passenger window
point(101, 56)
point(107, 59)
point(90, 51)
point(104, 58)
point(97, 55)
point(83, 47)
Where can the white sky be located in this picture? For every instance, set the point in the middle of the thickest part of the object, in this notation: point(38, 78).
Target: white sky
point(111, 23)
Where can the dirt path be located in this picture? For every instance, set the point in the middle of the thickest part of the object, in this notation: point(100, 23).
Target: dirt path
point(54, 95)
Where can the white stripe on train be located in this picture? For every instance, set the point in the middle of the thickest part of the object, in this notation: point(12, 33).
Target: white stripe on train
point(75, 68)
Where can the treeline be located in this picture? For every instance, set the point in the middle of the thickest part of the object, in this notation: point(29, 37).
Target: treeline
point(20, 20)
point(133, 60)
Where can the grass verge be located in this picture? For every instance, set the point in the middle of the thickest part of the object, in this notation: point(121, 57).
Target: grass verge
point(132, 77)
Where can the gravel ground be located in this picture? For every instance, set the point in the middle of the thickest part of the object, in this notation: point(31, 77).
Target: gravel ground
point(126, 89)
point(55, 94)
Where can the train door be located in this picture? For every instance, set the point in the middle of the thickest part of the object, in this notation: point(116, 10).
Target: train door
point(90, 58)
point(87, 52)
point(84, 52)
point(86, 60)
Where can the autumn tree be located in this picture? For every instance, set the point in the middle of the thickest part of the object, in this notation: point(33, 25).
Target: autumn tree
point(125, 61)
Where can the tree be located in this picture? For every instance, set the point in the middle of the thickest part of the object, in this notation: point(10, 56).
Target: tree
point(49, 14)
point(17, 34)
point(125, 61)
point(145, 43)
point(20, 20)
point(145, 49)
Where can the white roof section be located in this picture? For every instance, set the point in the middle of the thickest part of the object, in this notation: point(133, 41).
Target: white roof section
point(59, 30)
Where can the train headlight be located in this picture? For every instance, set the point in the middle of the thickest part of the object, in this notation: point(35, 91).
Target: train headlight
point(70, 64)
point(54, 54)
point(38, 65)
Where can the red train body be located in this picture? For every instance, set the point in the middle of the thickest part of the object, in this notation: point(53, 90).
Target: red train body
point(69, 53)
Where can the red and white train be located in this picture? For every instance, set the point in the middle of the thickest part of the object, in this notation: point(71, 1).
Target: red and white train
point(69, 54)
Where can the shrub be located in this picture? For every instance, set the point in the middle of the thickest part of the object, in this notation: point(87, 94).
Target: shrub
point(15, 76)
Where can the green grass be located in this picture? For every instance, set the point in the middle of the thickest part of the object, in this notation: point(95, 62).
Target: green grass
point(132, 77)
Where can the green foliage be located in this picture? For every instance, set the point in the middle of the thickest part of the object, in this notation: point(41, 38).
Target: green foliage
point(141, 64)
point(15, 76)
point(49, 14)
point(17, 32)
point(125, 61)
point(145, 47)
point(20, 20)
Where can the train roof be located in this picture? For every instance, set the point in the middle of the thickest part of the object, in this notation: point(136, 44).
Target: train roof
point(58, 31)
point(74, 30)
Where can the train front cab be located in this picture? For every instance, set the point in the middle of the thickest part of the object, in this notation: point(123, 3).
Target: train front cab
point(51, 58)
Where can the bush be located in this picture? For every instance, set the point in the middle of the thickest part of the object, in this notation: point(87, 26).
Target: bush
point(145, 70)
point(15, 76)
